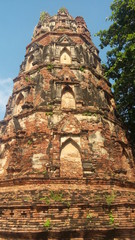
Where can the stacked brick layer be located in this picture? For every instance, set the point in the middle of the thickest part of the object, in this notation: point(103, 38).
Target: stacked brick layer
point(71, 212)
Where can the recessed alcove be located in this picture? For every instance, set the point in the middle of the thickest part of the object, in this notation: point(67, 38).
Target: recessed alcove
point(19, 103)
point(29, 63)
point(65, 56)
point(20, 99)
point(70, 160)
point(68, 98)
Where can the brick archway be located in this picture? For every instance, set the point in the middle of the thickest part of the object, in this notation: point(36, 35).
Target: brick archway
point(65, 56)
point(68, 98)
point(70, 160)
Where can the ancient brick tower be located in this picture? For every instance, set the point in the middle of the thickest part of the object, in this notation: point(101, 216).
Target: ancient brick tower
point(66, 168)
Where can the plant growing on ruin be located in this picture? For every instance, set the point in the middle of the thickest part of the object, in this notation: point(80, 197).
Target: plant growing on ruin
point(31, 78)
point(49, 113)
point(111, 218)
point(26, 79)
point(110, 198)
point(46, 199)
point(43, 16)
point(68, 204)
point(50, 67)
point(81, 68)
point(89, 216)
point(63, 9)
point(50, 106)
point(38, 70)
point(44, 172)
point(89, 114)
point(57, 197)
point(26, 199)
point(61, 29)
point(29, 142)
point(98, 198)
point(47, 223)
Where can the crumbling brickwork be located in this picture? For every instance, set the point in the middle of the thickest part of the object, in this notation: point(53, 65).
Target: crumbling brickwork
point(66, 167)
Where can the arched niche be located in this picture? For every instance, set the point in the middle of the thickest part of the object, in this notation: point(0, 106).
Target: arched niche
point(20, 99)
point(68, 98)
point(19, 103)
point(65, 56)
point(29, 63)
point(70, 160)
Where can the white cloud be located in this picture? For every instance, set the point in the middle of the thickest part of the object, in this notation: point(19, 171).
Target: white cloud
point(6, 86)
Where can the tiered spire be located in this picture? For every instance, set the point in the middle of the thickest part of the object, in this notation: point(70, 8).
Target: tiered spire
point(63, 152)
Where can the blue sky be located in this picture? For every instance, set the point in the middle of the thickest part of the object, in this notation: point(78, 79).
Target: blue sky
point(17, 21)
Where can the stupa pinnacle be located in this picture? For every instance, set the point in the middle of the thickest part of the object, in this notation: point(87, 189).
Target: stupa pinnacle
point(66, 167)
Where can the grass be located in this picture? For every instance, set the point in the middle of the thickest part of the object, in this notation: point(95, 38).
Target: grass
point(47, 223)
point(110, 198)
point(89, 216)
point(29, 142)
point(42, 16)
point(55, 197)
point(50, 67)
point(44, 172)
point(111, 218)
point(63, 9)
point(81, 68)
point(26, 79)
point(49, 113)
point(68, 204)
point(45, 199)
point(89, 114)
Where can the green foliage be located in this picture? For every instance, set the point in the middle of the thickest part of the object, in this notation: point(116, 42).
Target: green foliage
point(89, 216)
point(61, 29)
point(110, 198)
point(49, 113)
point(26, 79)
point(29, 142)
point(111, 218)
point(38, 70)
point(26, 199)
point(50, 67)
point(43, 16)
point(89, 114)
point(68, 204)
point(120, 66)
point(81, 68)
point(47, 223)
point(45, 199)
point(98, 198)
point(50, 106)
point(63, 9)
point(45, 172)
point(55, 197)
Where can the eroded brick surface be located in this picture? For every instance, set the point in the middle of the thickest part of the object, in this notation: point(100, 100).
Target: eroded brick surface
point(66, 167)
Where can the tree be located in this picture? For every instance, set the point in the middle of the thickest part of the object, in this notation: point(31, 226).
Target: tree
point(120, 65)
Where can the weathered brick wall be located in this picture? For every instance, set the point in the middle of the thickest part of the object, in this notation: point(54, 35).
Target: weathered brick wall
point(67, 210)
point(66, 167)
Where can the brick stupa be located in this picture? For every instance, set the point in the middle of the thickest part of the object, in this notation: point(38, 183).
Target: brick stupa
point(66, 167)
